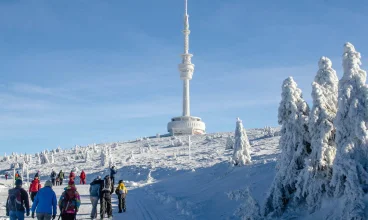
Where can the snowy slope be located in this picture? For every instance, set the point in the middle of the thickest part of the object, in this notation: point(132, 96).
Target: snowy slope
point(179, 187)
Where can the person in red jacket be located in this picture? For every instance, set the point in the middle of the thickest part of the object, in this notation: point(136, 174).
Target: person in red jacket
point(82, 177)
point(72, 175)
point(34, 187)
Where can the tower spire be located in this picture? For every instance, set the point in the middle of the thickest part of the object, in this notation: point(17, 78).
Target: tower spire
point(186, 30)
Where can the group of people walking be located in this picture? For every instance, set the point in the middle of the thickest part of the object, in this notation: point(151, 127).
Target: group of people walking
point(44, 201)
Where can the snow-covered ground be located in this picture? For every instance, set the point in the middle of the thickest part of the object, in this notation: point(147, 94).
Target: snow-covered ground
point(163, 182)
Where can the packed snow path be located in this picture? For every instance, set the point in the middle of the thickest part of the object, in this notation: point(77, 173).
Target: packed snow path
point(139, 205)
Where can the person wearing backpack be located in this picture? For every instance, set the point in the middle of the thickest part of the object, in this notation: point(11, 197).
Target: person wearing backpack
point(72, 175)
point(17, 175)
point(69, 202)
point(95, 190)
point(121, 191)
point(105, 197)
point(112, 175)
point(82, 178)
point(45, 203)
point(53, 177)
point(34, 188)
point(61, 177)
point(17, 203)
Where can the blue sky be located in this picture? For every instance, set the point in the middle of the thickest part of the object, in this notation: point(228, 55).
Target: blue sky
point(81, 72)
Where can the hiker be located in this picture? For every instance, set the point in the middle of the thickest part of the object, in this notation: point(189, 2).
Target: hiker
point(121, 191)
point(72, 175)
point(17, 175)
point(57, 181)
point(95, 190)
point(45, 203)
point(6, 176)
point(82, 178)
point(105, 197)
point(69, 202)
point(112, 175)
point(37, 174)
point(34, 188)
point(61, 177)
point(17, 203)
point(53, 177)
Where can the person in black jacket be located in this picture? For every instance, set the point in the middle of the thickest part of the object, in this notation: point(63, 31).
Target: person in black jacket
point(53, 177)
point(112, 175)
point(17, 203)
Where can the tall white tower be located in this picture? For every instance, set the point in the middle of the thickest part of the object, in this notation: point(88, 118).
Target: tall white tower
point(186, 124)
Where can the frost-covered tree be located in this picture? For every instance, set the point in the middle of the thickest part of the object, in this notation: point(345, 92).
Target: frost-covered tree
point(350, 176)
point(249, 210)
point(52, 158)
point(241, 155)
point(87, 157)
point(316, 176)
point(295, 147)
point(104, 159)
point(229, 143)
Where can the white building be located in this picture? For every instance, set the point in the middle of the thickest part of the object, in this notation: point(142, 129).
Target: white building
point(186, 124)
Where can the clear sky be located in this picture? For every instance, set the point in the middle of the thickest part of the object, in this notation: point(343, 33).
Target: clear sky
point(82, 72)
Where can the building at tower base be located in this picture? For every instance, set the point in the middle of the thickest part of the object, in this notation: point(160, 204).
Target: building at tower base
point(186, 125)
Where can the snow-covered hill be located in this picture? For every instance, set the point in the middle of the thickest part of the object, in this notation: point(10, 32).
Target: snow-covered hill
point(164, 182)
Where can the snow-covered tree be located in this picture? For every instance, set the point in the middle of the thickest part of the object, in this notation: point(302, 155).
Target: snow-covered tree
point(87, 157)
point(249, 210)
point(241, 155)
point(350, 176)
point(229, 143)
point(316, 176)
point(294, 144)
point(52, 158)
point(104, 159)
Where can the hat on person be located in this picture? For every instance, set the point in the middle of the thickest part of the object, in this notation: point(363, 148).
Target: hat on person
point(18, 182)
point(48, 183)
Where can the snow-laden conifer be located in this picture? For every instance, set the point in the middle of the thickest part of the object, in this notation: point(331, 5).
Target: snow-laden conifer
point(229, 143)
point(316, 176)
point(294, 144)
point(241, 155)
point(350, 176)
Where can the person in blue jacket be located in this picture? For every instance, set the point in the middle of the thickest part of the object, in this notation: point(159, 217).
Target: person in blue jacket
point(45, 203)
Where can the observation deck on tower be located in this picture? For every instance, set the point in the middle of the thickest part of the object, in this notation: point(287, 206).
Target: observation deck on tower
point(186, 124)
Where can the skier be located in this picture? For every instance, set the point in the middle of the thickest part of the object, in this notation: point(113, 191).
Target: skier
point(95, 190)
point(112, 175)
point(17, 203)
point(53, 177)
point(72, 175)
point(45, 203)
point(121, 191)
point(105, 197)
point(69, 202)
point(61, 177)
point(82, 178)
point(34, 188)
point(6, 176)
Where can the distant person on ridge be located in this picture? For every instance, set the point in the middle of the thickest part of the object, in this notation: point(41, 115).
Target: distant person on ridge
point(6, 176)
point(61, 177)
point(45, 203)
point(17, 175)
point(17, 203)
point(53, 177)
point(112, 175)
point(34, 188)
point(69, 202)
point(82, 178)
point(95, 190)
point(121, 191)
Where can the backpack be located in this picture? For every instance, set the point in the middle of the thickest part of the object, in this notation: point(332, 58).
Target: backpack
point(95, 190)
point(107, 184)
point(69, 201)
point(15, 200)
